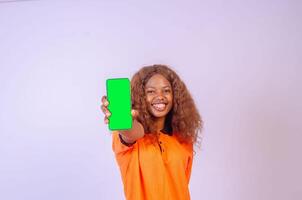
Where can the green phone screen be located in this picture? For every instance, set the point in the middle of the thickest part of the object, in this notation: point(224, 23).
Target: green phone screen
point(119, 98)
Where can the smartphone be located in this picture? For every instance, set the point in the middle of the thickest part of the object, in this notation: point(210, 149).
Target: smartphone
point(119, 98)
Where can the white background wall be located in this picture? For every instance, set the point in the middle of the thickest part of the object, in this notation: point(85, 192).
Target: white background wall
point(241, 61)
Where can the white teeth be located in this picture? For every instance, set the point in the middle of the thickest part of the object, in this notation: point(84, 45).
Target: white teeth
point(159, 106)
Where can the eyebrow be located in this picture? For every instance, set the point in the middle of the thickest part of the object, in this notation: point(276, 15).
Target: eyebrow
point(167, 86)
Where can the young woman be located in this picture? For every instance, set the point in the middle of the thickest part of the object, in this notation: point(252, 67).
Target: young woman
point(155, 156)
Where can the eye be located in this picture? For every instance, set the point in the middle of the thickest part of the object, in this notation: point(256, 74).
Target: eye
point(150, 91)
point(167, 90)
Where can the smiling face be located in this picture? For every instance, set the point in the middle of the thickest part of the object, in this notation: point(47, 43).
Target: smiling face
point(159, 96)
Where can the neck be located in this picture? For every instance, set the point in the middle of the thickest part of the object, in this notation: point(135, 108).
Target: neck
point(160, 123)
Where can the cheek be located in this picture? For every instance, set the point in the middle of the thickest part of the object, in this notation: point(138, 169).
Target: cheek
point(170, 98)
point(148, 99)
point(171, 102)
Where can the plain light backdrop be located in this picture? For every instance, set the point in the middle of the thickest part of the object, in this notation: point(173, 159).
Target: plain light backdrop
point(241, 61)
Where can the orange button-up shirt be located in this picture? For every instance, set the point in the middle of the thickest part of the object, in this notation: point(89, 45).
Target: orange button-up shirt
point(154, 172)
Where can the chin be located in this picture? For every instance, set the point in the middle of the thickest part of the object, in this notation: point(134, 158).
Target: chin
point(159, 114)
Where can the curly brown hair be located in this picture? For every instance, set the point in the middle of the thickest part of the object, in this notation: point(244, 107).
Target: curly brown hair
point(183, 119)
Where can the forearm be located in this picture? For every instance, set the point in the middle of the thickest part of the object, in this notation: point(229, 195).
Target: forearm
point(133, 134)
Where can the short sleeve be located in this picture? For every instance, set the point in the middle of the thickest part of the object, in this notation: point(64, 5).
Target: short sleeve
point(189, 162)
point(189, 168)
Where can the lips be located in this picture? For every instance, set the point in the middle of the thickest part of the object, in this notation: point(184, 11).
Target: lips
point(159, 106)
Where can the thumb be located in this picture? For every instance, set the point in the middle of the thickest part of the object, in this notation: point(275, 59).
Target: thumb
point(134, 113)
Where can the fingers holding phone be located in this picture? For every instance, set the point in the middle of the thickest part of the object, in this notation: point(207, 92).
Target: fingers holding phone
point(105, 110)
point(107, 113)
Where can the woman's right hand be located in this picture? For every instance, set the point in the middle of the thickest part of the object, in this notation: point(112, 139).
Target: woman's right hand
point(104, 108)
point(131, 135)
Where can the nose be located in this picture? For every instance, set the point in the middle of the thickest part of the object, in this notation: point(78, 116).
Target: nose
point(160, 93)
point(160, 96)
